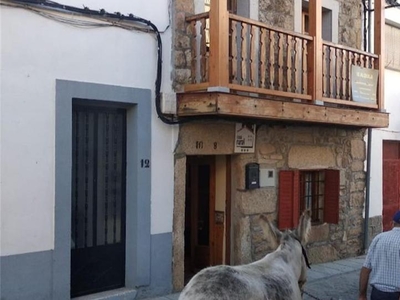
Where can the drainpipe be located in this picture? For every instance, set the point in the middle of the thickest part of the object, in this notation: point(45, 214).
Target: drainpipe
point(367, 187)
point(369, 145)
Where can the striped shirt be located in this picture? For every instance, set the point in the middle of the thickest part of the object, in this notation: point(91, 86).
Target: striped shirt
point(383, 259)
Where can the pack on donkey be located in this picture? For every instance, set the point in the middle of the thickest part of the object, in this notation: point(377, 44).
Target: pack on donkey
point(279, 275)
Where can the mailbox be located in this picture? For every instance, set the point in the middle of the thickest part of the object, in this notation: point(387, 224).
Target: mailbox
point(252, 176)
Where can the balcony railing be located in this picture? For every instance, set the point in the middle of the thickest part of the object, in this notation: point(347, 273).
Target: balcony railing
point(336, 72)
point(244, 55)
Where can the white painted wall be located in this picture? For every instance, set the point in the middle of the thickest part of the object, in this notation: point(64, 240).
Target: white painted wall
point(37, 51)
point(1, 73)
point(392, 106)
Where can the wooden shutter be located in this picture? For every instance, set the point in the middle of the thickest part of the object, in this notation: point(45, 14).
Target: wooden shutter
point(332, 190)
point(288, 202)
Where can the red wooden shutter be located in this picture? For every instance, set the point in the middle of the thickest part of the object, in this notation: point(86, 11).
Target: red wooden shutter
point(289, 205)
point(332, 190)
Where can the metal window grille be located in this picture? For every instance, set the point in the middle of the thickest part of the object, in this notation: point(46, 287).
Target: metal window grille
point(312, 184)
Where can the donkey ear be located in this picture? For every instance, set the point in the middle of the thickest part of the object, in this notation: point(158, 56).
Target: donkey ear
point(267, 226)
point(304, 227)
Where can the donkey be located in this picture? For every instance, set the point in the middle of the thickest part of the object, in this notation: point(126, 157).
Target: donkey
point(280, 275)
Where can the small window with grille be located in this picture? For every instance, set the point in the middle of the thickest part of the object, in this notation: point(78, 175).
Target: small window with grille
point(312, 185)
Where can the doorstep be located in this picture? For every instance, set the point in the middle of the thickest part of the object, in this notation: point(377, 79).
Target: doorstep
point(118, 294)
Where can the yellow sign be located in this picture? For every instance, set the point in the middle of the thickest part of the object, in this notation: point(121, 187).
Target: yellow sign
point(364, 84)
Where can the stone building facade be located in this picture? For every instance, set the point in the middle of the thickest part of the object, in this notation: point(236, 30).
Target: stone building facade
point(279, 146)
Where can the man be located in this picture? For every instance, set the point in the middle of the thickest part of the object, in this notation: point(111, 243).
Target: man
point(382, 265)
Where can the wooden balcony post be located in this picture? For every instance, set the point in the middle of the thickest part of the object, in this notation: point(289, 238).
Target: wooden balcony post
point(315, 50)
point(219, 44)
point(379, 48)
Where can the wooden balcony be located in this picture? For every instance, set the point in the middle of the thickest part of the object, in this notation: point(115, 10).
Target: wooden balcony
point(244, 68)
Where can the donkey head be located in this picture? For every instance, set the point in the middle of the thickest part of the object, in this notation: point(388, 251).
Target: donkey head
point(295, 239)
point(304, 227)
point(301, 233)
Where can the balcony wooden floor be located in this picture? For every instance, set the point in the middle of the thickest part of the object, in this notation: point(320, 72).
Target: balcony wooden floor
point(230, 105)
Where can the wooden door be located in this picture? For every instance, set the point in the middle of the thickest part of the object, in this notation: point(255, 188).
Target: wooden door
point(98, 199)
point(391, 182)
point(199, 214)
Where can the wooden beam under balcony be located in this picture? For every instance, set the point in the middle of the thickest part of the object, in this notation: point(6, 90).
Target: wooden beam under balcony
point(222, 104)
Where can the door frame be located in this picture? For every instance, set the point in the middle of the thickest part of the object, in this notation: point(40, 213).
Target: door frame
point(138, 191)
point(197, 160)
point(228, 210)
point(211, 159)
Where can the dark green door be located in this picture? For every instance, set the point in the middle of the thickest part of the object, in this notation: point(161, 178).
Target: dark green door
point(98, 199)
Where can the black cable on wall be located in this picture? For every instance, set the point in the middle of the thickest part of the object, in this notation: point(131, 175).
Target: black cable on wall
point(121, 17)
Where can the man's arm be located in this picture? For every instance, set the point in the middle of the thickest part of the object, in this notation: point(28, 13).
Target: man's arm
point(363, 285)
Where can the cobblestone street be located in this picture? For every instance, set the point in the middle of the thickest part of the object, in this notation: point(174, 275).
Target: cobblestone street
point(328, 281)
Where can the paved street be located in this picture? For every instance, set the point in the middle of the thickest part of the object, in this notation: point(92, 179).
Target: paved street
point(336, 280)
point(329, 281)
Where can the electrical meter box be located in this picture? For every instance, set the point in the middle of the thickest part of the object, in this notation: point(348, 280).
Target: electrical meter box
point(252, 176)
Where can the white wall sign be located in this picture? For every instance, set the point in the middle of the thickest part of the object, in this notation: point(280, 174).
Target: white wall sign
point(363, 84)
point(245, 137)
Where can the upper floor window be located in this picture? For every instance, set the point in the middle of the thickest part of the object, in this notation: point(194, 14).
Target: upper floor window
point(316, 190)
point(232, 8)
point(231, 5)
point(207, 5)
point(305, 22)
point(330, 19)
point(392, 39)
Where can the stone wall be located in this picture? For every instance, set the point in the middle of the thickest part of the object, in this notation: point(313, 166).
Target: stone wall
point(279, 13)
point(294, 147)
point(374, 227)
point(181, 53)
point(288, 147)
point(178, 255)
point(350, 23)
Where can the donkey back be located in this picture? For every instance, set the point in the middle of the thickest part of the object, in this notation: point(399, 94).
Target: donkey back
point(279, 275)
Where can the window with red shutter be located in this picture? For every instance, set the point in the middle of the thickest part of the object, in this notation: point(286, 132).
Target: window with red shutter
point(316, 190)
point(332, 190)
point(289, 209)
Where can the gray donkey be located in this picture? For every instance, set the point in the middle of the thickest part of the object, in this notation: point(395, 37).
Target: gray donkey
point(280, 275)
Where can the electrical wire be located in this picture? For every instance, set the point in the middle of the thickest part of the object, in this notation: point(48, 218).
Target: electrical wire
point(47, 4)
point(72, 22)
